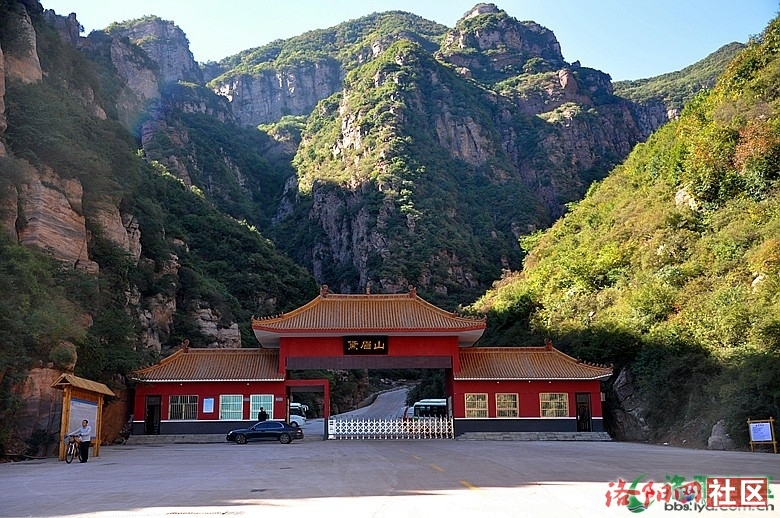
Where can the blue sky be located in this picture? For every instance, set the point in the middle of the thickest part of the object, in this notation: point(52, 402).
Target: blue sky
point(628, 39)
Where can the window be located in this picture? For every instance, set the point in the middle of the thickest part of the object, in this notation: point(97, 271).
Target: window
point(506, 405)
point(554, 405)
point(261, 400)
point(476, 405)
point(231, 407)
point(182, 407)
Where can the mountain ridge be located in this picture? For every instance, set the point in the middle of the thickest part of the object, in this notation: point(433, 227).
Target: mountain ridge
point(668, 267)
point(188, 218)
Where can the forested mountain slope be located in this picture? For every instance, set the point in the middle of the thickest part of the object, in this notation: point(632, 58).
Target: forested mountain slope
point(675, 89)
point(669, 267)
point(431, 149)
point(147, 200)
point(107, 261)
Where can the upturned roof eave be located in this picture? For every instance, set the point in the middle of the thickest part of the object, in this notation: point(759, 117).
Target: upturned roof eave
point(570, 378)
point(391, 331)
point(326, 298)
point(191, 380)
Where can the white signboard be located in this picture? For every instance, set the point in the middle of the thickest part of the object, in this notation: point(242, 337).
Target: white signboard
point(208, 405)
point(80, 410)
point(760, 432)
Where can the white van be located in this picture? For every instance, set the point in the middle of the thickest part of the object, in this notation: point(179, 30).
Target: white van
point(298, 409)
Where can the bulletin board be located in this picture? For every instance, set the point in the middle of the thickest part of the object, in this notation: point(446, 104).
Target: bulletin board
point(81, 409)
point(762, 431)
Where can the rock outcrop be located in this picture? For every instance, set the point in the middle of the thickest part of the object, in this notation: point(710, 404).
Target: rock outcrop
point(271, 94)
point(51, 218)
point(39, 413)
point(121, 229)
point(629, 422)
point(499, 46)
point(156, 321)
point(21, 53)
point(3, 122)
point(223, 337)
point(68, 27)
point(142, 85)
point(166, 45)
point(719, 439)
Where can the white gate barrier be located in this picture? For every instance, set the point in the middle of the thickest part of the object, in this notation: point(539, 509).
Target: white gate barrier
point(424, 428)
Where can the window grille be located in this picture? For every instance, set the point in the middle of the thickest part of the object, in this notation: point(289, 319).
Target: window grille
point(261, 400)
point(554, 404)
point(231, 407)
point(476, 405)
point(182, 407)
point(506, 405)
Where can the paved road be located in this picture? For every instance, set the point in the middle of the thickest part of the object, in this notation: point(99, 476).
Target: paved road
point(387, 405)
point(380, 479)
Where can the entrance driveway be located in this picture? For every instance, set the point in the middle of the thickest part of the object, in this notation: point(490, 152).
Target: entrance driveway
point(434, 478)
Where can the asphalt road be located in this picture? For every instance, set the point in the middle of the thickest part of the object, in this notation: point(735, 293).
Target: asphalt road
point(382, 479)
point(387, 405)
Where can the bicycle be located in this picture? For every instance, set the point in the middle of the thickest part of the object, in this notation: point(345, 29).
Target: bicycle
point(72, 450)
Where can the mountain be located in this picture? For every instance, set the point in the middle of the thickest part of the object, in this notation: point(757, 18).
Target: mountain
point(674, 90)
point(147, 200)
point(108, 260)
point(421, 153)
point(668, 268)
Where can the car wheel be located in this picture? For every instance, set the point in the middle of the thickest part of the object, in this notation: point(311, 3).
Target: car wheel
point(240, 439)
point(285, 438)
point(294, 424)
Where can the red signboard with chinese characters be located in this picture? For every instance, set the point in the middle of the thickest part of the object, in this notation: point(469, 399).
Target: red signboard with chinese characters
point(729, 492)
point(365, 345)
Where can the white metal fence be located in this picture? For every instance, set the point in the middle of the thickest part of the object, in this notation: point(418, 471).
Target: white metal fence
point(385, 429)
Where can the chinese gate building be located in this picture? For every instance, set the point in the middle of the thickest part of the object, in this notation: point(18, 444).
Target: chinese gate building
point(488, 389)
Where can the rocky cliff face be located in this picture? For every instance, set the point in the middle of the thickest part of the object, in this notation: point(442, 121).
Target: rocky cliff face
point(46, 210)
point(271, 94)
point(209, 324)
point(553, 131)
point(18, 57)
point(21, 53)
point(51, 217)
point(3, 122)
point(68, 27)
point(504, 47)
point(121, 229)
point(41, 410)
point(628, 408)
point(585, 129)
point(141, 83)
point(167, 46)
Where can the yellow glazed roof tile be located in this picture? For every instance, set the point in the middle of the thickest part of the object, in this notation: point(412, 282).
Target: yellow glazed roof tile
point(189, 364)
point(525, 363)
point(384, 313)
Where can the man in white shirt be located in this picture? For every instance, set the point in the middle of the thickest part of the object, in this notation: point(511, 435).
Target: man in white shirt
point(85, 437)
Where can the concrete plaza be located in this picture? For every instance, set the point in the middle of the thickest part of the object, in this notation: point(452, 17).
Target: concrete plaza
point(431, 478)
